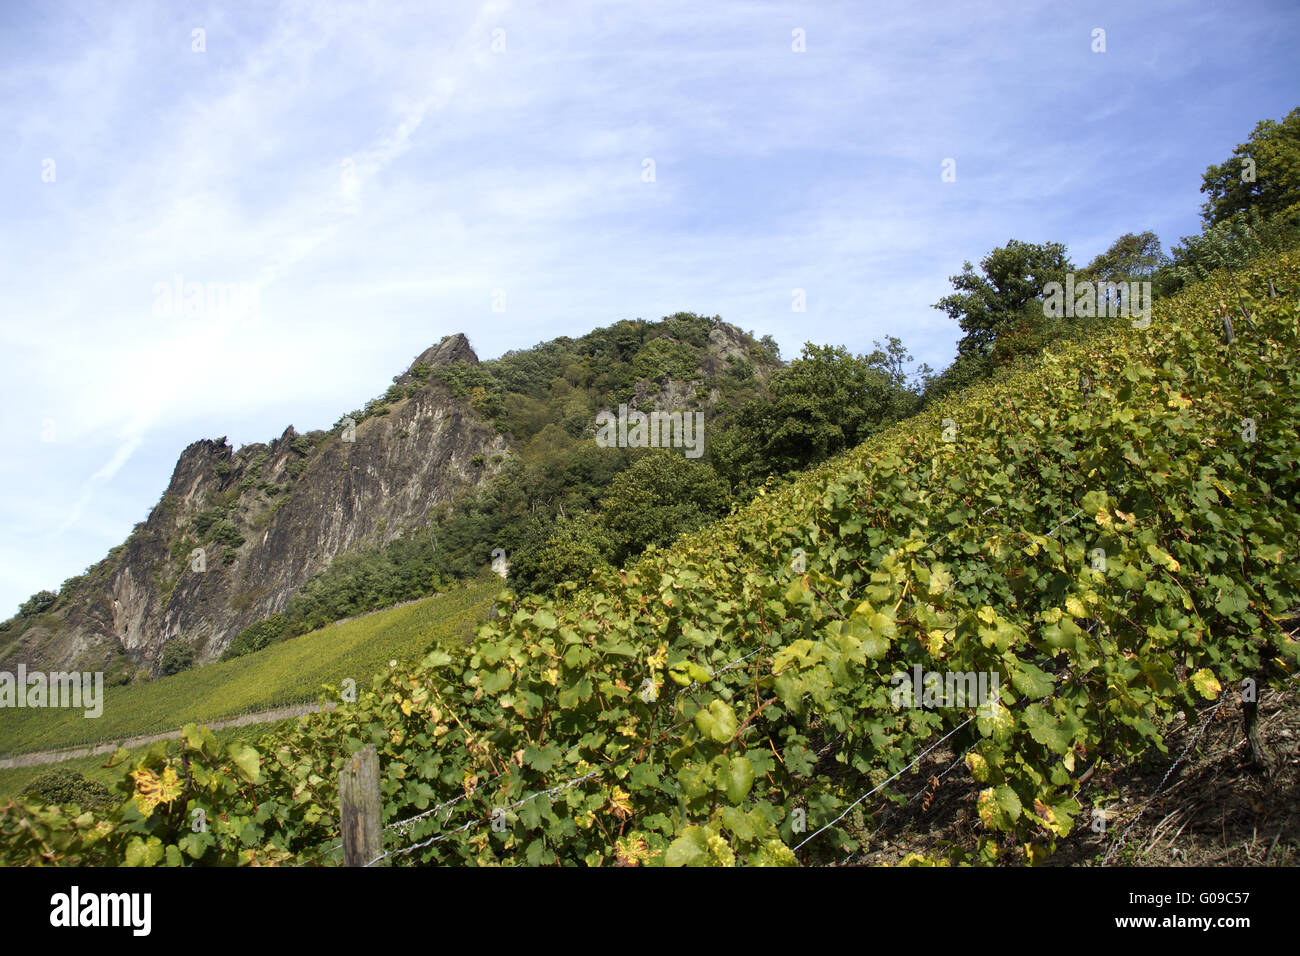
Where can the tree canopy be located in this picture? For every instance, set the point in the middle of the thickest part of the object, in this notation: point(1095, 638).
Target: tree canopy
point(1261, 173)
point(1133, 256)
point(1011, 277)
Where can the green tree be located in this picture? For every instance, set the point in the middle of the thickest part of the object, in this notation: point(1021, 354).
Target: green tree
point(38, 602)
point(661, 495)
point(1263, 173)
point(1133, 256)
point(567, 550)
point(827, 400)
point(256, 636)
point(1012, 281)
point(659, 359)
point(177, 655)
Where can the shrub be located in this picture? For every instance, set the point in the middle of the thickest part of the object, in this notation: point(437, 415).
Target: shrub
point(204, 520)
point(658, 497)
point(61, 787)
point(177, 656)
point(255, 637)
point(223, 532)
point(38, 602)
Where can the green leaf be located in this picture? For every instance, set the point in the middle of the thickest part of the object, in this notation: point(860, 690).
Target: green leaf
point(541, 758)
point(1054, 734)
point(247, 759)
point(141, 853)
point(797, 652)
point(738, 823)
point(689, 849)
point(739, 779)
point(435, 659)
point(1008, 800)
point(718, 723)
point(685, 672)
point(1031, 681)
point(1093, 502)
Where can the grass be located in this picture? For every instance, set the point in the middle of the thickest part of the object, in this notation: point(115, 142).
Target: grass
point(294, 671)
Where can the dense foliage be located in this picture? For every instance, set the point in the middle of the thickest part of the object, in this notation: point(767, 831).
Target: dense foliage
point(177, 656)
point(61, 787)
point(826, 401)
point(1263, 174)
point(562, 506)
point(37, 603)
point(1114, 552)
point(1009, 283)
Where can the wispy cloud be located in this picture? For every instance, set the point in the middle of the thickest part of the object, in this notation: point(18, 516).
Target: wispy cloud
point(378, 170)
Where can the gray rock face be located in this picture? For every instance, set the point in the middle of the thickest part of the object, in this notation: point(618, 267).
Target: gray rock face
point(454, 348)
point(281, 513)
point(237, 533)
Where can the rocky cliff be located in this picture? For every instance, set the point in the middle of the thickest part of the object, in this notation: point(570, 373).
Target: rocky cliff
point(238, 532)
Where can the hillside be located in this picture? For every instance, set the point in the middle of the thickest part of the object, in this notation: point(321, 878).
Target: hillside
point(1109, 536)
point(296, 671)
point(393, 488)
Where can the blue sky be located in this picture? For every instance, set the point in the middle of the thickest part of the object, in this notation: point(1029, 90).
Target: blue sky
point(377, 170)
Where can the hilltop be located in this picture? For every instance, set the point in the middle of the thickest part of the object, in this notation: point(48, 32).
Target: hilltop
point(237, 535)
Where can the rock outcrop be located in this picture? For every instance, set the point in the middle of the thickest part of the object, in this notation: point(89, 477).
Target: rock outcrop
point(238, 532)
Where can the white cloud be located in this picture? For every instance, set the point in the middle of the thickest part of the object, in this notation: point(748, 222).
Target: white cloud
point(378, 171)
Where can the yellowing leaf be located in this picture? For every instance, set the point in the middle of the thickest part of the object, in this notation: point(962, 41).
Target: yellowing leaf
point(1163, 558)
point(1206, 684)
point(151, 789)
point(796, 651)
point(620, 802)
point(940, 580)
point(632, 850)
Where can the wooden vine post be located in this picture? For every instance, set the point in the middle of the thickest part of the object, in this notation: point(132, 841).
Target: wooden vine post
point(360, 814)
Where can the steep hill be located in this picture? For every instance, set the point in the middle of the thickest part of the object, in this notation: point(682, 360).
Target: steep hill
point(237, 534)
point(296, 671)
point(1108, 536)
